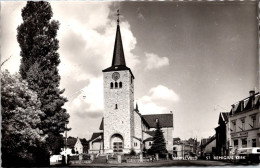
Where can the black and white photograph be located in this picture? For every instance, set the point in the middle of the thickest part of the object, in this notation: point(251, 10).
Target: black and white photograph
point(130, 83)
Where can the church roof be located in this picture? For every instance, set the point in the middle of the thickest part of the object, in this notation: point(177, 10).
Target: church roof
point(101, 127)
point(97, 140)
point(118, 68)
point(95, 135)
point(165, 120)
point(118, 61)
point(151, 133)
point(148, 139)
point(118, 55)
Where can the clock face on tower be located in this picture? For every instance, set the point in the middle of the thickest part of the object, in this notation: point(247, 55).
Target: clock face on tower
point(115, 76)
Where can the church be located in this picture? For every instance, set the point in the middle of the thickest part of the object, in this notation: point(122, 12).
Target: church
point(123, 128)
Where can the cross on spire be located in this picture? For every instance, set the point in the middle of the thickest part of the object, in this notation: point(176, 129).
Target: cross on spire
point(118, 17)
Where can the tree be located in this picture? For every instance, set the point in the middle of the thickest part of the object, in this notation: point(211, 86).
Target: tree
point(40, 59)
point(158, 145)
point(21, 114)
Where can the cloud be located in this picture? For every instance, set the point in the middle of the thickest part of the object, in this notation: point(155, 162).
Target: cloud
point(141, 16)
point(86, 39)
point(10, 19)
point(158, 100)
point(89, 101)
point(153, 61)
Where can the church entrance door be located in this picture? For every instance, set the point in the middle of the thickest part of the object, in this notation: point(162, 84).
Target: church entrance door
point(117, 143)
point(118, 147)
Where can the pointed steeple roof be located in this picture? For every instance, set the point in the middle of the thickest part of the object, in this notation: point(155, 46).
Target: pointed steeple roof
point(118, 61)
point(136, 107)
point(118, 55)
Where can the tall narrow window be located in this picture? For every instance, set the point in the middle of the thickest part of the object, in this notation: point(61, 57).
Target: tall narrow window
point(253, 142)
point(234, 126)
point(254, 121)
point(120, 84)
point(116, 85)
point(243, 124)
point(244, 143)
point(235, 142)
point(111, 85)
point(116, 106)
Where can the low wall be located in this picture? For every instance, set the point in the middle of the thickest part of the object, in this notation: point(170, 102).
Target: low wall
point(80, 161)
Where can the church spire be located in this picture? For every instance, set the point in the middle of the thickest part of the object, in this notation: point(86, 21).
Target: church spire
point(136, 107)
point(118, 55)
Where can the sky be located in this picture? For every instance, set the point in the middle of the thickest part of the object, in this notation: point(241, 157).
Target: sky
point(195, 59)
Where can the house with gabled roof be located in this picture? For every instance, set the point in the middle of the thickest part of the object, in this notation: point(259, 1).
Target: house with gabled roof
point(72, 146)
point(123, 128)
point(244, 118)
point(222, 135)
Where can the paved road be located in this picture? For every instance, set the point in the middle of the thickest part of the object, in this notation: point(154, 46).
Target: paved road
point(161, 163)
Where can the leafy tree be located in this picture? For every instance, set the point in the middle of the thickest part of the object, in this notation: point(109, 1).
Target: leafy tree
point(37, 39)
point(21, 114)
point(158, 145)
point(85, 145)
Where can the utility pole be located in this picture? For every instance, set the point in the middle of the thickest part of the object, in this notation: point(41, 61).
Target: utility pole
point(66, 157)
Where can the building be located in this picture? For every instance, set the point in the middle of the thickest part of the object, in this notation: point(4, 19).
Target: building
point(222, 135)
point(244, 123)
point(183, 148)
point(123, 128)
point(208, 147)
point(73, 146)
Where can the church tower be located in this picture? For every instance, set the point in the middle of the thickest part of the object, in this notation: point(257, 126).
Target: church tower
point(118, 101)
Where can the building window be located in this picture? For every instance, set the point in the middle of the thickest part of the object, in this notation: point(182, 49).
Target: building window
point(243, 124)
point(116, 85)
point(116, 106)
point(234, 126)
point(236, 142)
point(120, 84)
point(111, 85)
point(150, 143)
point(253, 142)
point(253, 122)
point(242, 105)
point(131, 80)
point(244, 143)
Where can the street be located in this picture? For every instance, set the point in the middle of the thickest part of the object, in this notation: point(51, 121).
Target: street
point(161, 163)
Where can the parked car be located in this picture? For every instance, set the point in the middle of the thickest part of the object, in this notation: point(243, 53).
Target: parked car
point(249, 155)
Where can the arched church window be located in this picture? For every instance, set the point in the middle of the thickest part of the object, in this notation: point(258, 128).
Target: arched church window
point(120, 84)
point(111, 85)
point(116, 85)
point(116, 106)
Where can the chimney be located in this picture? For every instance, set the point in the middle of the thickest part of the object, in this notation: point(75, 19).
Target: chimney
point(232, 111)
point(251, 93)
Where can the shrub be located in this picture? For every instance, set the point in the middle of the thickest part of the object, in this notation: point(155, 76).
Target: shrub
point(132, 152)
point(75, 157)
point(86, 157)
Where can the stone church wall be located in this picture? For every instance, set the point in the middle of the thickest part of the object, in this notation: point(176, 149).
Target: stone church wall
point(137, 125)
point(167, 133)
point(118, 121)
